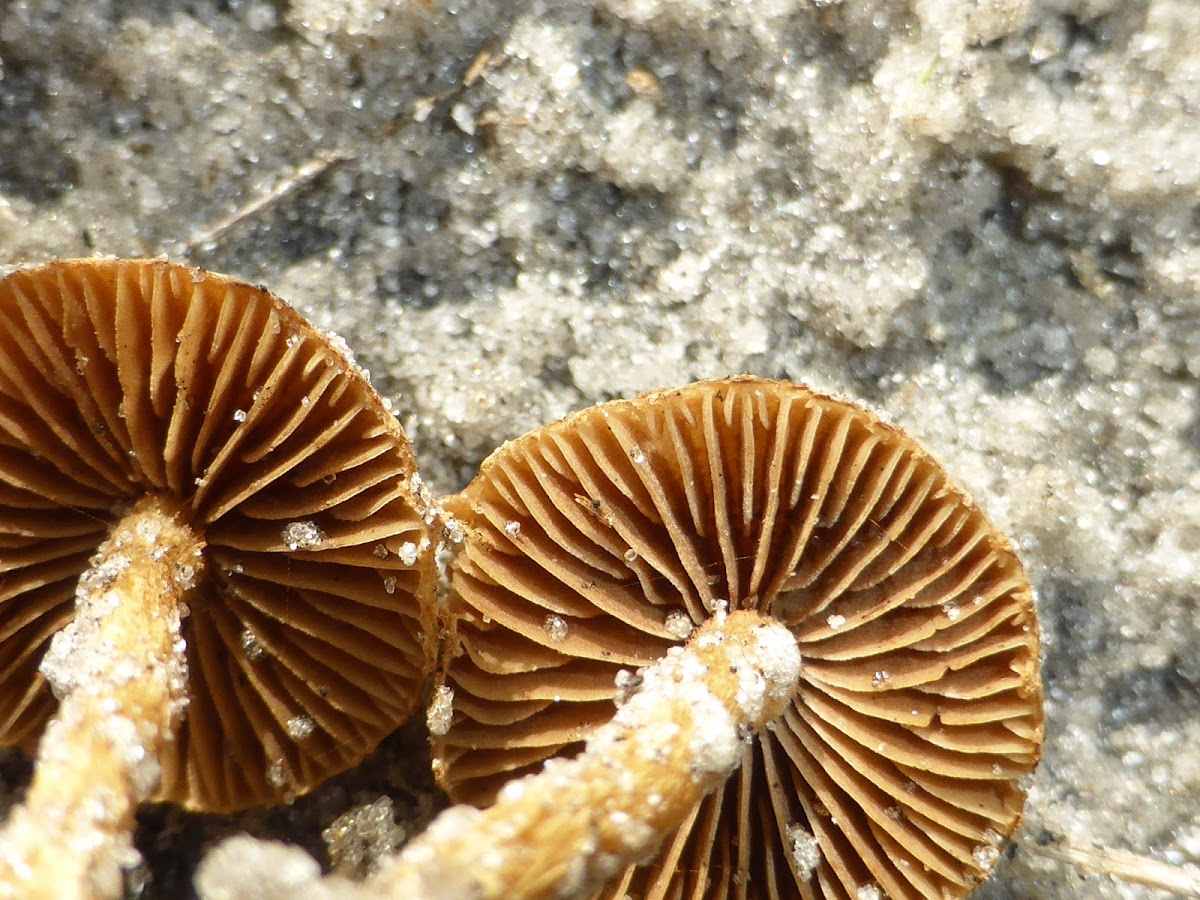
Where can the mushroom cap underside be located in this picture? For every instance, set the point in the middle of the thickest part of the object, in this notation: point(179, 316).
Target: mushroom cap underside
point(311, 625)
point(596, 543)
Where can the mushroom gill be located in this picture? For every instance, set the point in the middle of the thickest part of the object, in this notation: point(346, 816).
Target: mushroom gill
point(595, 544)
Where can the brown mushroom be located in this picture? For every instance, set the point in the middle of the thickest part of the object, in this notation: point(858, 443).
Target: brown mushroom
point(261, 554)
point(595, 544)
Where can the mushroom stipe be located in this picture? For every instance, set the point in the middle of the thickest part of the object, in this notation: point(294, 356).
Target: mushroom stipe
point(121, 670)
point(558, 833)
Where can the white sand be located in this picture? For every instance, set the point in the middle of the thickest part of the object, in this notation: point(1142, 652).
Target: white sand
point(980, 219)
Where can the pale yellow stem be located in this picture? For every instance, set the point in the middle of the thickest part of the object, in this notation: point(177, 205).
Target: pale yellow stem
point(678, 735)
point(120, 673)
point(579, 822)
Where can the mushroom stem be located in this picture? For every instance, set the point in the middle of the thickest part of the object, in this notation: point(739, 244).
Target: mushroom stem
point(677, 735)
point(120, 672)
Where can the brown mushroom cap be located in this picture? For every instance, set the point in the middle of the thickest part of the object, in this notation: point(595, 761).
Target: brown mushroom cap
point(311, 631)
point(596, 543)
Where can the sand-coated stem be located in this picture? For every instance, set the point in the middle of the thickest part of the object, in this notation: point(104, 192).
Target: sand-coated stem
point(677, 735)
point(679, 732)
point(120, 674)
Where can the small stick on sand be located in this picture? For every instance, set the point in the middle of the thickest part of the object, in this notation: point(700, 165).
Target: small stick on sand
point(210, 238)
point(1124, 866)
point(305, 175)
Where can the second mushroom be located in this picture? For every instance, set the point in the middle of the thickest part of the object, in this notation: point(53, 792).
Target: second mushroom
point(595, 544)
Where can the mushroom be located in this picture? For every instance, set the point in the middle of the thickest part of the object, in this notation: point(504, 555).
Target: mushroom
point(595, 544)
point(212, 545)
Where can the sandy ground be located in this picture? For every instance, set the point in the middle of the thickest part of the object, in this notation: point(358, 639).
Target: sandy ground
point(979, 218)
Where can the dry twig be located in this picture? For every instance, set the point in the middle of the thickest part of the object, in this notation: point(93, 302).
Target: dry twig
point(1124, 865)
point(208, 239)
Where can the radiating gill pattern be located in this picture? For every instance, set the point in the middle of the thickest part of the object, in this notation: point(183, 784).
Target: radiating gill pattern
point(120, 379)
point(897, 766)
